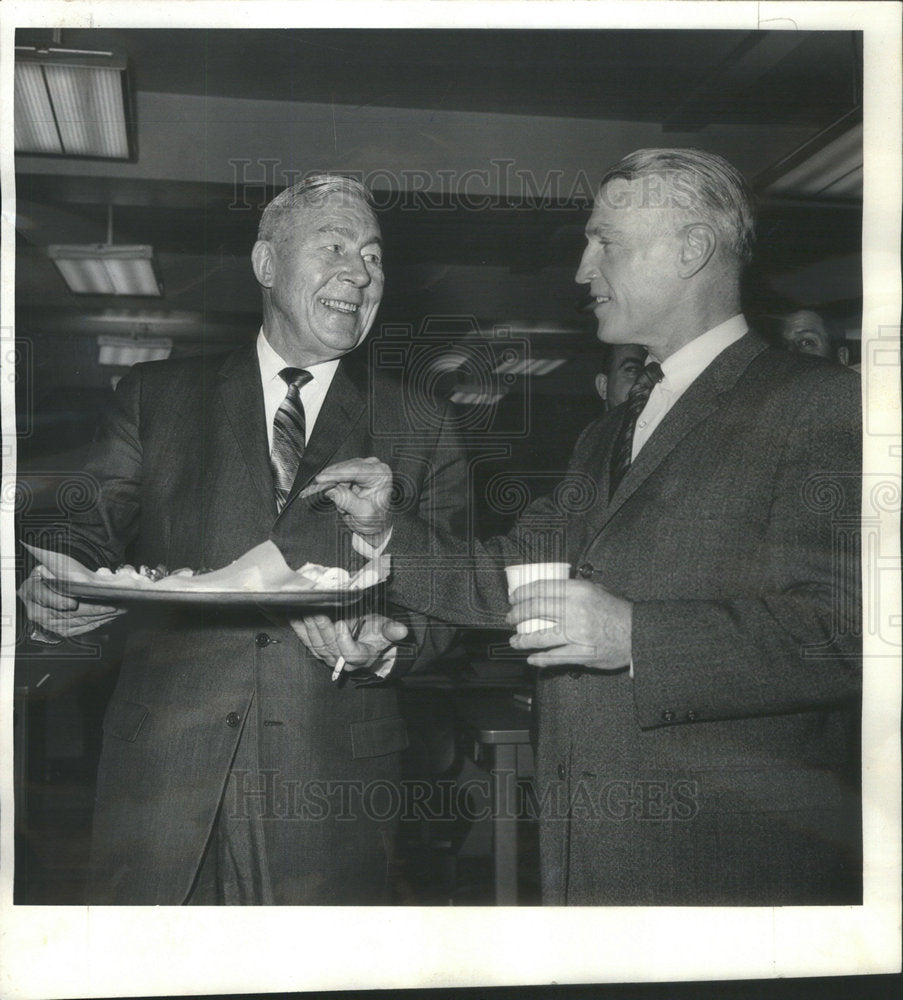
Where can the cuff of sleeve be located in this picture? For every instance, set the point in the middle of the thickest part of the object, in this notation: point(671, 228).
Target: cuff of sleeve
point(35, 633)
point(386, 662)
point(363, 548)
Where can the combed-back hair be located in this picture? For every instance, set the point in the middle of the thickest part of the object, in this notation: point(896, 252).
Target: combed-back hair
point(309, 193)
point(699, 183)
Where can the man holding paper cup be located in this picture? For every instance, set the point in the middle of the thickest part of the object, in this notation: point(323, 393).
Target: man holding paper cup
point(238, 765)
point(700, 676)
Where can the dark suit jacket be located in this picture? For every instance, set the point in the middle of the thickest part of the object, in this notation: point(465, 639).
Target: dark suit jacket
point(184, 480)
point(725, 770)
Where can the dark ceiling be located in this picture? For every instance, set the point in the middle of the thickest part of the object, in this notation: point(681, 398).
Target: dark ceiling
point(680, 79)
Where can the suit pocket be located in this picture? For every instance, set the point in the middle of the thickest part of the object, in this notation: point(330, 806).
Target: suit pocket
point(124, 720)
point(375, 737)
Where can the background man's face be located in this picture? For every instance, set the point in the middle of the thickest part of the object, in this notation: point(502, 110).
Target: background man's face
point(629, 263)
point(327, 280)
point(804, 332)
point(624, 369)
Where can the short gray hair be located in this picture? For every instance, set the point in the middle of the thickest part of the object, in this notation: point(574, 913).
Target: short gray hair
point(712, 184)
point(309, 193)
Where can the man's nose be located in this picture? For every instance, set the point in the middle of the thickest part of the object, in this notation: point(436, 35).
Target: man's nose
point(355, 272)
point(586, 271)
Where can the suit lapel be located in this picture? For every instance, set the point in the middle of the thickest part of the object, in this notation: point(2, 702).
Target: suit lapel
point(696, 404)
point(241, 396)
point(344, 406)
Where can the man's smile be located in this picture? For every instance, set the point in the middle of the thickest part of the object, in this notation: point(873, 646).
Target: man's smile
point(340, 306)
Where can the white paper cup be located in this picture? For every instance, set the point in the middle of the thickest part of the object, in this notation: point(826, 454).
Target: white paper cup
point(524, 573)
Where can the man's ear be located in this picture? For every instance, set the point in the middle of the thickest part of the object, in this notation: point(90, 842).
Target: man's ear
point(602, 385)
point(843, 356)
point(699, 242)
point(263, 263)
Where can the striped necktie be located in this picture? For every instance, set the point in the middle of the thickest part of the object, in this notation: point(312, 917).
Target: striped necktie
point(636, 400)
point(288, 434)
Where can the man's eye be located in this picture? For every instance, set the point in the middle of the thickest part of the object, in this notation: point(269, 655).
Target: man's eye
point(333, 248)
point(373, 258)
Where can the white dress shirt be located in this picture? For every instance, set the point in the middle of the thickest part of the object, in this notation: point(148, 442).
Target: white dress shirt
point(274, 387)
point(680, 371)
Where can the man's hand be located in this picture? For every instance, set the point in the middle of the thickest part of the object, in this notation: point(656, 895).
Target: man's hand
point(592, 630)
point(329, 640)
point(60, 615)
point(362, 492)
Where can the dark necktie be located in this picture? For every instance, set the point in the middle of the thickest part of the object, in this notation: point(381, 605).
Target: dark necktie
point(288, 434)
point(636, 400)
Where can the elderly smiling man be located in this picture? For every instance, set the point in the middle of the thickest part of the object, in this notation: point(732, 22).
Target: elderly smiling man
point(229, 755)
point(698, 692)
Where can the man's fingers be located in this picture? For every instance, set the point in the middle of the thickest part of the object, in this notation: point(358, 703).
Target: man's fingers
point(562, 656)
point(394, 631)
point(352, 650)
point(323, 634)
point(317, 633)
point(546, 638)
point(299, 625)
point(72, 625)
point(67, 627)
point(366, 472)
point(347, 501)
point(553, 608)
point(34, 591)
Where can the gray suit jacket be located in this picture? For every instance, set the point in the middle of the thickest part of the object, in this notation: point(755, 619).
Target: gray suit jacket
point(183, 479)
point(725, 770)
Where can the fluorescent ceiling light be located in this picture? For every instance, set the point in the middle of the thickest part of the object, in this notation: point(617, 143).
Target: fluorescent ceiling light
point(105, 269)
point(528, 366)
point(70, 102)
point(833, 171)
point(125, 352)
point(475, 398)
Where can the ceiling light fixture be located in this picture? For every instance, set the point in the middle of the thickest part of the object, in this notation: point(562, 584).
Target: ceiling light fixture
point(72, 102)
point(528, 366)
point(828, 166)
point(98, 269)
point(107, 268)
point(126, 351)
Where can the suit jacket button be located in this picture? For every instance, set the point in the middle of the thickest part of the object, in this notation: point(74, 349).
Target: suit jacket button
point(262, 639)
point(585, 571)
point(561, 772)
point(667, 716)
point(691, 716)
point(233, 719)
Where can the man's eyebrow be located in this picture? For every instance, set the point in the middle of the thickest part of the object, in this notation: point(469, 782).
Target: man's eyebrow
point(348, 234)
point(599, 229)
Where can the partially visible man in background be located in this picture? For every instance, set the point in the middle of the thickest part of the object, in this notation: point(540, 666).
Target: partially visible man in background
point(621, 367)
point(806, 332)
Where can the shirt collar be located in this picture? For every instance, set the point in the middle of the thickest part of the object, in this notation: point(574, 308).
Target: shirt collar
point(271, 363)
point(685, 365)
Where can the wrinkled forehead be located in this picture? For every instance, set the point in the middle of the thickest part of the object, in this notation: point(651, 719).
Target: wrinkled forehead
point(338, 211)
